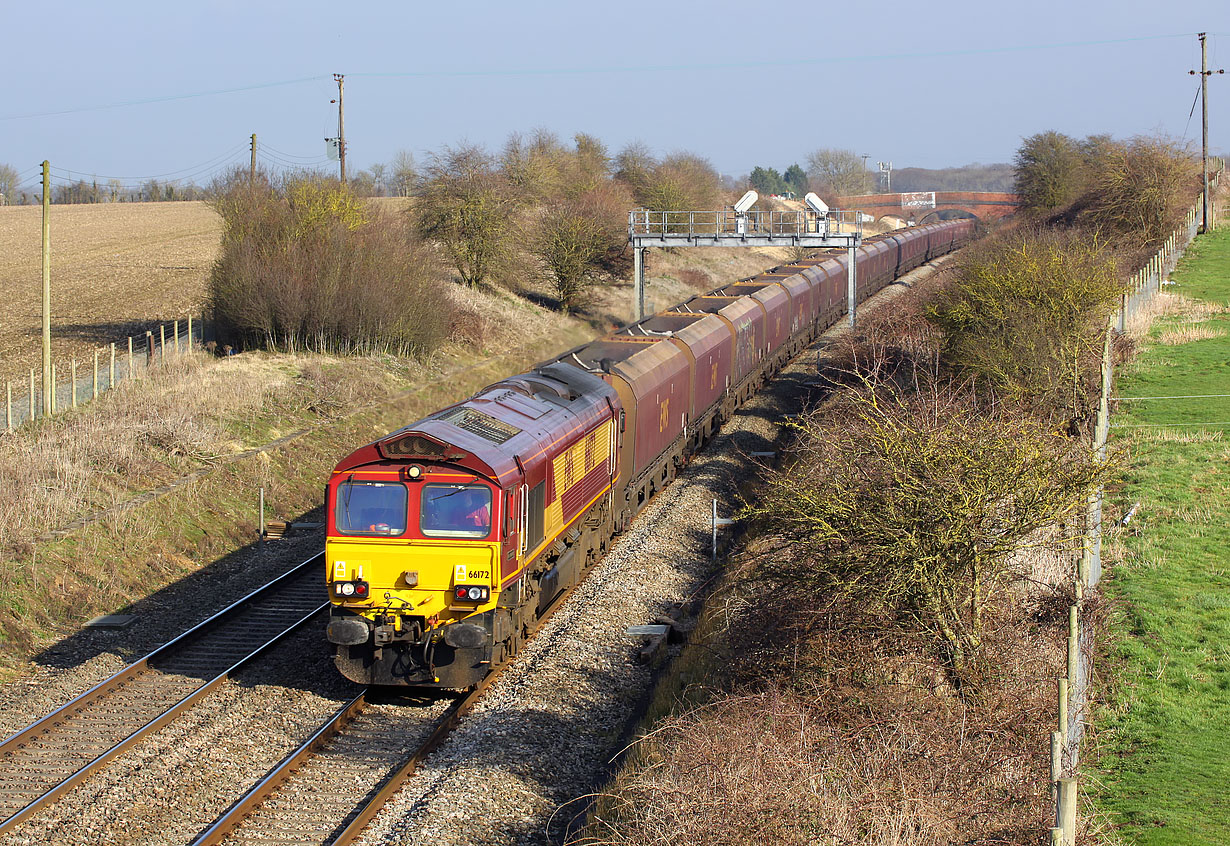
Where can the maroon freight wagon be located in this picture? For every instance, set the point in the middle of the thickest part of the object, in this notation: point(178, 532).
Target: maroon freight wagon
point(652, 378)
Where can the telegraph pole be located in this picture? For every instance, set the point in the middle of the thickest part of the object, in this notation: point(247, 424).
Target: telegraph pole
point(1208, 220)
point(341, 126)
point(47, 386)
point(252, 167)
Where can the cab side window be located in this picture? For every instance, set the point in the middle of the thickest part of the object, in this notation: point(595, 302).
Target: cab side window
point(537, 506)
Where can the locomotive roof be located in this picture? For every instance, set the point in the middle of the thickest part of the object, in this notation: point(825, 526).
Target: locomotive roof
point(516, 419)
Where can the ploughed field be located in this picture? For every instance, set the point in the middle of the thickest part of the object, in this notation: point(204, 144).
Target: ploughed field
point(117, 269)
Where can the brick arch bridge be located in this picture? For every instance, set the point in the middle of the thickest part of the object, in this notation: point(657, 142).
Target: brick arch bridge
point(985, 205)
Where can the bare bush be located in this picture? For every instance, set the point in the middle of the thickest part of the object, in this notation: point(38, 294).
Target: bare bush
point(1143, 187)
point(1025, 315)
point(694, 278)
point(870, 750)
point(918, 504)
point(304, 265)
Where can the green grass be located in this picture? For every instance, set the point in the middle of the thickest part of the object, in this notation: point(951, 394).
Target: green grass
point(1164, 774)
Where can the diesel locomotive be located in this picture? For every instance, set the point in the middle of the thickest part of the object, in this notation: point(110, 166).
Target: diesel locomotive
point(448, 539)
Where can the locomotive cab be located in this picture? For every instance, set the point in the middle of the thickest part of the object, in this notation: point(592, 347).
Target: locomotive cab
point(413, 555)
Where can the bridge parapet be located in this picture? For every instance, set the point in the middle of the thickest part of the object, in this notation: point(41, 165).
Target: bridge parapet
point(987, 205)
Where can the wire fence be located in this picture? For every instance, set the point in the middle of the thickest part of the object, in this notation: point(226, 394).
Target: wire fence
point(78, 382)
point(1073, 689)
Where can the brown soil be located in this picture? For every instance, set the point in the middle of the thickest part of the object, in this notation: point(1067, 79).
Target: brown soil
point(116, 270)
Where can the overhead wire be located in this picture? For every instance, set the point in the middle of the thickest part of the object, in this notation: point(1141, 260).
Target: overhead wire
point(163, 99)
point(229, 154)
point(260, 154)
point(136, 183)
point(261, 145)
point(598, 69)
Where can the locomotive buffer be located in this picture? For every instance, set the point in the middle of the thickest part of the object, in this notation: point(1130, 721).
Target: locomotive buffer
point(817, 226)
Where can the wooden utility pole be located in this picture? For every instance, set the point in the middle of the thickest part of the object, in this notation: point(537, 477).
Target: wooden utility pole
point(341, 125)
point(47, 386)
point(1207, 222)
point(252, 167)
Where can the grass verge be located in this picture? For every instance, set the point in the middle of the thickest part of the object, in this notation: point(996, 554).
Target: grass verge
point(1164, 723)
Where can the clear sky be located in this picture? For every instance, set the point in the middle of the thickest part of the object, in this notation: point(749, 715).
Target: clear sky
point(134, 89)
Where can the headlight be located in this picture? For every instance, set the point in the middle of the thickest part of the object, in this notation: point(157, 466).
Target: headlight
point(357, 589)
point(471, 593)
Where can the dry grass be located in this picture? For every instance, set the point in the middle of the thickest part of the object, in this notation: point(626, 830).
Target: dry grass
point(187, 415)
point(1185, 436)
point(1188, 334)
point(116, 269)
point(1167, 306)
point(869, 743)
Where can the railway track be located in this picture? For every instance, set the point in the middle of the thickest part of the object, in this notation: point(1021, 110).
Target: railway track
point(335, 783)
point(53, 755)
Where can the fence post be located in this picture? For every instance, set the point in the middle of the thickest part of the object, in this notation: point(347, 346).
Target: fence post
point(1063, 711)
point(31, 395)
point(262, 510)
point(1065, 813)
point(162, 342)
point(111, 384)
point(73, 376)
point(149, 348)
point(190, 333)
point(1056, 757)
point(94, 393)
point(176, 331)
point(1073, 641)
point(130, 356)
point(54, 387)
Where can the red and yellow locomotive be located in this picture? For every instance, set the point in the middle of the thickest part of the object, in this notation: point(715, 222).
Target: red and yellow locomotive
point(432, 529)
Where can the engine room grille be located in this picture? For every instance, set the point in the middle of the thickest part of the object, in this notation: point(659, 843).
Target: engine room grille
point(484, 425)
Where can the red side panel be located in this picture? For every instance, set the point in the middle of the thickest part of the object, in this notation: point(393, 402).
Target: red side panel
point(746, 317)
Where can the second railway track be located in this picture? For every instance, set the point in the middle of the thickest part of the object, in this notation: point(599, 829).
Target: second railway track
point(55, 754)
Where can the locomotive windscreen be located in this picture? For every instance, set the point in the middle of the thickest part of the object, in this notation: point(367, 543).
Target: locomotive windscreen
point(371, 508)
point(453, 511)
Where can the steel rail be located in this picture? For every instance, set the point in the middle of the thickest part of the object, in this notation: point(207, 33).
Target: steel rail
point(353, 824)
point(41, 728)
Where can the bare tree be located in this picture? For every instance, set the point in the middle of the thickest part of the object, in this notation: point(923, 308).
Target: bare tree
point(1049, 171)
point(568, 243)
point(404, 173)
point(634, 165)
point(378, 171)
point(1141, 188)
point(8, 182)
point(836, 172)
point(467, 206)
